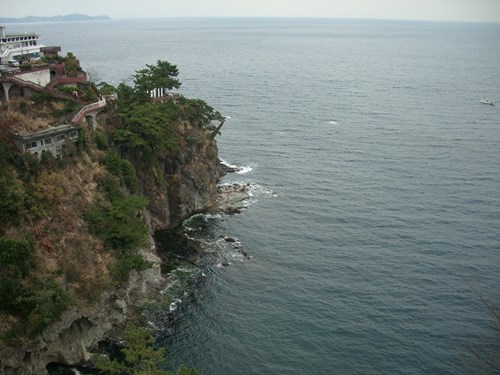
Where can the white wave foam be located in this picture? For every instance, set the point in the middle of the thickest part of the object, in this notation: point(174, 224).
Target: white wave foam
point(333, 122)
point(239, 169)
point(173, 305)
point(244, 169)
point(228, 164)
point(259, 190)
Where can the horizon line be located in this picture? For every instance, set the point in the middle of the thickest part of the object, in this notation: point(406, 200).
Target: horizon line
point(247, 17)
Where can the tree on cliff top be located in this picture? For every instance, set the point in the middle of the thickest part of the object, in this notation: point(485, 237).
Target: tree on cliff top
point(162, 75)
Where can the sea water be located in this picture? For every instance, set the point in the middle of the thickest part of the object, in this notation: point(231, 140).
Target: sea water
point(375, 215)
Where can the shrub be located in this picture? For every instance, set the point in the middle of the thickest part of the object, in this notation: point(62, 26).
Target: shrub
point(118, 224)
point(140, 356)
point(23, 106)
point(122, 169)
point(11, 198)
point(41, 97)
point(120, 227)
point(45, 302)
point(66, 89)
point(16, 258)
point(126, 263)
point(101, 140)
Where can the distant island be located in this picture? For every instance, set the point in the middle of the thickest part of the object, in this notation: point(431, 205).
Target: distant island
point(68, 17)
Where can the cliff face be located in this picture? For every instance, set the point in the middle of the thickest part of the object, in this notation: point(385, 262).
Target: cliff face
point(188, 180)
point(183, 182)
point(75, 335)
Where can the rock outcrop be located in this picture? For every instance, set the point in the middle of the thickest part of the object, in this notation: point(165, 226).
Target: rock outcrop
point(187, 184)
point(189, 176)
point(75, 335)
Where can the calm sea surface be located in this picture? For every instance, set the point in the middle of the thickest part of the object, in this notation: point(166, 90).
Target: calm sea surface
point(376, 182)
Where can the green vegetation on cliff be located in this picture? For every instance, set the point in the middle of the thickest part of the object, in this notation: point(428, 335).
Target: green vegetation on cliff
point(139, 356)
point(72, 227)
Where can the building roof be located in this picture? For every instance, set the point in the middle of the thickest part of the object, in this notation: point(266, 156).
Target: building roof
point(50, 131)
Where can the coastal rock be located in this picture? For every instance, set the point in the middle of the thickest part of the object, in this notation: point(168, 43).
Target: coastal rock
point(180, 185)
point(231, 198)
point(225, 169)
point(192, 174)
point(75, 335)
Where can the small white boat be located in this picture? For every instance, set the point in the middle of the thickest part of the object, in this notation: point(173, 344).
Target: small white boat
point(486, 101)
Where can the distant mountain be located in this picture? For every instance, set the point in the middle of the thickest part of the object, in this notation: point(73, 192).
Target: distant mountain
point(68, 17)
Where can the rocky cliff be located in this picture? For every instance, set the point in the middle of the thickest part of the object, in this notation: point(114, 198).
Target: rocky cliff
point(65, 206)
point(75, 335)
point(191, 177)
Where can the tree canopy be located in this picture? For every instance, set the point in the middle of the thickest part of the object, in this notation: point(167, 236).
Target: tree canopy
point(162, 75)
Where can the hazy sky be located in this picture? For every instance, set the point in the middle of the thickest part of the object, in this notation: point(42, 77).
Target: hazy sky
point(452, 10)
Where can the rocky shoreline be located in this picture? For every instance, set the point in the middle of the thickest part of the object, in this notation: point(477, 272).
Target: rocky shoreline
point(72, 340)
point(231, 198)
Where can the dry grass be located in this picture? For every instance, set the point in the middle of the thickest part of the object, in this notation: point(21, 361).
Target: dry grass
point(64, 248)
point(32, 118)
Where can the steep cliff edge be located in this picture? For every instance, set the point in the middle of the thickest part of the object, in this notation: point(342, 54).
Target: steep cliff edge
point(190, 175)
point(76, 246)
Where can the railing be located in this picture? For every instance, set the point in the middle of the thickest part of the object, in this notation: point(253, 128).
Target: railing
point(88, 109)
point(62, 80)
point(34, 86)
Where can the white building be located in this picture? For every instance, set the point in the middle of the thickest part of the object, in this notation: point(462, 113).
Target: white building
point(18, 46)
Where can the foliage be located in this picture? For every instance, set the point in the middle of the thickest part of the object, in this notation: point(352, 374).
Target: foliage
point(139, 357)
point(69, 107)
point(41, 97)
point(161, 75)
point(71, 64)
point(66, 89)
point(101, 140)
point(45, 302)
point(88, 93)
point(149, 129)
point(35, 301)
point(16, 257)
point(121, 228)
point(106, 88)
point(23, 106)
point(198, 112)
point(126, 94)
point(118, 223)
point(122, 169)
point(71, 69)
point(126, 262)
point(47, 190)
point(12, 192)
point(11, 199)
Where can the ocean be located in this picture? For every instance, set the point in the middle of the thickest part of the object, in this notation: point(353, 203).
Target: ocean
point(375, 174)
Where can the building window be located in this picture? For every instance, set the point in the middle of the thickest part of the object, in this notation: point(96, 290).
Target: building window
point(45, 141)
point(73, 134)
point(30, 145)
point(60, 138)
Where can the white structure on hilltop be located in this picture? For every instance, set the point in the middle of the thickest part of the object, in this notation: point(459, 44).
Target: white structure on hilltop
point(18, 46)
